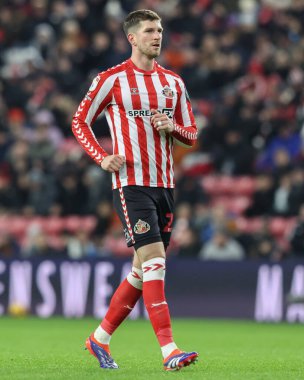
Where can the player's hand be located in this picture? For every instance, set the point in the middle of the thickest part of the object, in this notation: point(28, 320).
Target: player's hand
point(161, 122)
point(113, 163)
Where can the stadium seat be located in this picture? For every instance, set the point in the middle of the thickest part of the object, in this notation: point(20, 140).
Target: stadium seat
point(53, 225)
point(223, 185)
point(280, 227)
point(89, 223)
point(248, 225)
point(233, 204)
point(74, 223)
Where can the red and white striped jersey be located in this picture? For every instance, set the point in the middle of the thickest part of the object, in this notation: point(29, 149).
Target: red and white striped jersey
point(127, 94)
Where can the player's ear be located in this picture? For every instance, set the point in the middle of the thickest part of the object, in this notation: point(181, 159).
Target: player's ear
point(132, 39)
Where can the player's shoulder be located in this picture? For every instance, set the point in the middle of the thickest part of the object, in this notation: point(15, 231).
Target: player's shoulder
point(114, 70)
point(163, 70)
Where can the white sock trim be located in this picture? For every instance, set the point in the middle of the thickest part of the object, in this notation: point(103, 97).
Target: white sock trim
point(167, 349)
point(135, 278)
point(102, 336)
point(154, 269)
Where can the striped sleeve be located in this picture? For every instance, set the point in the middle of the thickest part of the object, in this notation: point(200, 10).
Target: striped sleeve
point(185, 130)
point(95, 101)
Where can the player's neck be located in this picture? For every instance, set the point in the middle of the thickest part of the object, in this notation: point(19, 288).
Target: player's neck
point(143, 62)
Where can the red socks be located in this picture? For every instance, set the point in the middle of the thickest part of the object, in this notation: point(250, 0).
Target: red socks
point(155, 300)
point(122, 303)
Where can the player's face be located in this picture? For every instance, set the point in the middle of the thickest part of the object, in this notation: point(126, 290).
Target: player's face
point(148, 38)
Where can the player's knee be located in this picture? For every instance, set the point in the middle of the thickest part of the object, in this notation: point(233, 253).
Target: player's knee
point(154, 269)
point(135, 278)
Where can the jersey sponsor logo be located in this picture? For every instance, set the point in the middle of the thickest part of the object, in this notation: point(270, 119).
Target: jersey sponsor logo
point(168, 92)
point(148, 113)
point(141, 227)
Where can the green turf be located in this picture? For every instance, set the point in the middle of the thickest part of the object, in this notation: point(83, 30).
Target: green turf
point(53, 349)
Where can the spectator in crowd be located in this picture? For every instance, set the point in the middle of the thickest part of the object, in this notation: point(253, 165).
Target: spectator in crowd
point(222, 247)
point(37, 244)
point(281, 197)
point(262, 199)
point(78, 245)
point(296, 237)
point(296, 198)
point(234, 157)
point(9, 247)
point(263, 245)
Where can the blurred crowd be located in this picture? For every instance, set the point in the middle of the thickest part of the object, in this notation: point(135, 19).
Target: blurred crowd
point(243, 65)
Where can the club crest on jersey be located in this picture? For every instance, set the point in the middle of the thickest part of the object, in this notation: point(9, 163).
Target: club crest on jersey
point(134, 91)
point(141, 227)
point(167, 92)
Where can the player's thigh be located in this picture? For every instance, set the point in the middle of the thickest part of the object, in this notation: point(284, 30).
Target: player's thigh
point(138, 214)
point(150, 251)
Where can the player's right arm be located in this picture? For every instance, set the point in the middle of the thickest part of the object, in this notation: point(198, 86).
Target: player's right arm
point(95, 101)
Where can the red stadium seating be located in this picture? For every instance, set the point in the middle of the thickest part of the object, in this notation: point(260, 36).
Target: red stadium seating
point(233, 204)
point(18, 226)
point(224, 185)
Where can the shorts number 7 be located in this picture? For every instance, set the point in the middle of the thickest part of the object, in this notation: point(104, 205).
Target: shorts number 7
point(168, 226)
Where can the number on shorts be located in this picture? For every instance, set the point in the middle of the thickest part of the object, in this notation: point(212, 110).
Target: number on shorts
point(168, 226)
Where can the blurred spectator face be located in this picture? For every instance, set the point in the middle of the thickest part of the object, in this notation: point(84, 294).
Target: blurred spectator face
point(285, 182)
point(233, 62)
point(69, 182)
point(80, 8)
point(70, 28)
point(184, 211)
point(59, 9)
point(120, 44)
point(113, 25)
point(104, 209)
point(219, 213)
point(264, 182)
point(188, 238)
point(68, 47)
point(210, 44)
point(19, 150)
point(101, 41)
point(39, 242)
point(232, 138)
point(39, 8)
point(220, 238)
point(281, 158)
point(298, 176)
point(44, 34)
point(64, 65)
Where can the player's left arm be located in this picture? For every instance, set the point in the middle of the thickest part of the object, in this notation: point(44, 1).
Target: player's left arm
point(183, 127)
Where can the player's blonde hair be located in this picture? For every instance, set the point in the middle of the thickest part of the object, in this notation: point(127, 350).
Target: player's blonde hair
point(135, 17)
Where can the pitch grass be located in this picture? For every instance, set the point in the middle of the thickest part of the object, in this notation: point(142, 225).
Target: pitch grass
point(32, 348)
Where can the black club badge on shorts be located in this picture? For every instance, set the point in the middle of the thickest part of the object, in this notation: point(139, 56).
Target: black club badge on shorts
point(141, 227)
